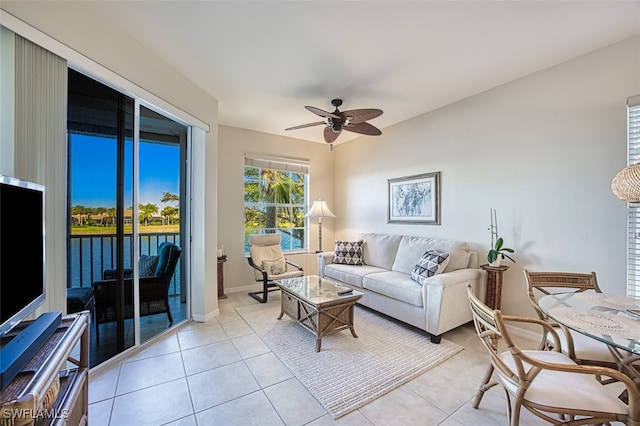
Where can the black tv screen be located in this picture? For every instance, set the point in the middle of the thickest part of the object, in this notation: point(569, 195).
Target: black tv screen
point(22, 259)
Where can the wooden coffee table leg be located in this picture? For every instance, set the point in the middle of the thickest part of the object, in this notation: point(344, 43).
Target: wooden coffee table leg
point(353, 330)
point(318, 343)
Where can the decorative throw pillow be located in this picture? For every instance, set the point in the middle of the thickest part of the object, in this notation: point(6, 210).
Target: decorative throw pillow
point(348, 252)
point(275, 267)
point(431, 263)
point(148, 265)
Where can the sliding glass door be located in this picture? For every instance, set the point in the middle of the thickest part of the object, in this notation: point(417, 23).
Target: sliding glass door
point(126, 189)
point(161, 180)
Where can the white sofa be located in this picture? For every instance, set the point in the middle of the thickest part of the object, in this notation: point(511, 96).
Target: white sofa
point(437, 306)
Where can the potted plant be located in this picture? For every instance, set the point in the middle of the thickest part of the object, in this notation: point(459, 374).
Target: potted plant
point(498, 251)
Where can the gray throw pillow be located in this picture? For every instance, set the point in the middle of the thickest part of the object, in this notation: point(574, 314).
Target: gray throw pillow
point(148, 265)
point(348, 252)
point(430, 264)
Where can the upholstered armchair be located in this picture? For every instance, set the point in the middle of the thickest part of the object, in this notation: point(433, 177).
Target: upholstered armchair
point(155, 278)
point(269, 264)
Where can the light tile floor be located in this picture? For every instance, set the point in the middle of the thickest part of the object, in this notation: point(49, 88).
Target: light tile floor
point(221, 373)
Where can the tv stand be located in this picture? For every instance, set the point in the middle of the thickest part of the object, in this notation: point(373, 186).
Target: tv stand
point(52, 388)
point(23, 346)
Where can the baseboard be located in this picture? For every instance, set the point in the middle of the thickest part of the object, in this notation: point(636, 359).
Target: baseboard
point(204, 318)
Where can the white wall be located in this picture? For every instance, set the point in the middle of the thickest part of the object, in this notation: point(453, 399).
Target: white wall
point(541, 150)
point(234, 143)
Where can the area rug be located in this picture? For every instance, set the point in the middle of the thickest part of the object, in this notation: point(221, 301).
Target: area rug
point(349, 372)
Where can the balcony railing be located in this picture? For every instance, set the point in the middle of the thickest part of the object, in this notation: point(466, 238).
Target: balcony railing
point(92, 254)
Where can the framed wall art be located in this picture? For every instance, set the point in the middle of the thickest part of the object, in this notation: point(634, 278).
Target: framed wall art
point(414, 199)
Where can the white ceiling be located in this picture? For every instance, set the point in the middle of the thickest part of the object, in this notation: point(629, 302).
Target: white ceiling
point(265, 60)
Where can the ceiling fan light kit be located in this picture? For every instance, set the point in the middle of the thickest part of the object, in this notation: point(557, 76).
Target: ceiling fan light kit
point(335, 122)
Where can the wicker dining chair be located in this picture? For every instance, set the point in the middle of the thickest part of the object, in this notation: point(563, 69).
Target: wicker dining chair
point(548, 383)
point(580, 348)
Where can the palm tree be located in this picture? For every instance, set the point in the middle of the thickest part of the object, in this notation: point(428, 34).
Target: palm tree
point(146, 212)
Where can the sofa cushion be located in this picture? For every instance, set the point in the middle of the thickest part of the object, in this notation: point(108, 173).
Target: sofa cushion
point(411, 249)
point(380, 249)
point(395, 285)
point(348, 252)
point(431, 263)
point(349, 274)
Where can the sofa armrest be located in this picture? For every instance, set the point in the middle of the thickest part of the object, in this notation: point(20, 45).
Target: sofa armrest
point(324, 258)
point(456, 277)
point(446, 301)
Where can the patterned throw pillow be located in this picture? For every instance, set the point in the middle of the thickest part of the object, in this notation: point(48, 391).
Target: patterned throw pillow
point(348, 252)
point(148, 265)
point(275, 267)
point(431, 263)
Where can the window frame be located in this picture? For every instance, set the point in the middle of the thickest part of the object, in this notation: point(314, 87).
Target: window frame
point(633, 209)
point(277, 168)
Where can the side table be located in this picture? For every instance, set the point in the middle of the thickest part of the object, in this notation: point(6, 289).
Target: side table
point(221, 261)
point(493, 291)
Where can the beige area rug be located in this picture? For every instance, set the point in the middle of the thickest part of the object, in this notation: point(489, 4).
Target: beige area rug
point(349, 372)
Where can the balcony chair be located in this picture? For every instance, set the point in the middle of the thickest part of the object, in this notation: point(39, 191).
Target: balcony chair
point(269, 264)
point(155, 277)
point(548, 383)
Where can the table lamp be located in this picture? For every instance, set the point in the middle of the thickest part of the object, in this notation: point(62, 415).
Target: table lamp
point(319, 209)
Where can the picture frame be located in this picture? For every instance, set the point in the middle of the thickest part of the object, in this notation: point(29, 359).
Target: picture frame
point(414, 199)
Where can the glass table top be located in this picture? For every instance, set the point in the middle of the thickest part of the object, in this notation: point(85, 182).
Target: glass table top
point(610, 318)
point(316, 290)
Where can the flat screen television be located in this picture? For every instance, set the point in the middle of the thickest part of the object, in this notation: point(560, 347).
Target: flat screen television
point(22, 250)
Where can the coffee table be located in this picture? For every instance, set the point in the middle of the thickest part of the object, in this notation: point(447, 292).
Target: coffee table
point(314, 303)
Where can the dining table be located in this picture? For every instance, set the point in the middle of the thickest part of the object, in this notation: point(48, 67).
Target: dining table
point(610, 318)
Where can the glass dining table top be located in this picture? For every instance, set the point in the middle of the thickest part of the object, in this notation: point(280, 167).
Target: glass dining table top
point(606, 317)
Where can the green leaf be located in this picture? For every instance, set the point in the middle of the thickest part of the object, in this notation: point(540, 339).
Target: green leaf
point(499, 243)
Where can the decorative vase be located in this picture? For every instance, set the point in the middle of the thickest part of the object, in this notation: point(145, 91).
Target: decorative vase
point(496, 263)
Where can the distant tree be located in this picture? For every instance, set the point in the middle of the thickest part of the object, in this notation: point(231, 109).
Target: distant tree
point(168, 197)
point(146, 212)
point(171, 213)
point(81, 212)
point(111, 215)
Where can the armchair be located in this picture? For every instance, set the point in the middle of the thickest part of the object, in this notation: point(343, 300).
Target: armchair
point(269, 264)
point(153, 289)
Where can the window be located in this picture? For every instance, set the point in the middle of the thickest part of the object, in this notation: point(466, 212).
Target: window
point(633, 218)
point(275, 195)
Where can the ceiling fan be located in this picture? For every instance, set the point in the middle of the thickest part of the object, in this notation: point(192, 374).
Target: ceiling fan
point(336, 121)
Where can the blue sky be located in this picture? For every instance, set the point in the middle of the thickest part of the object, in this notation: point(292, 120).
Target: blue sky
point(93, 172)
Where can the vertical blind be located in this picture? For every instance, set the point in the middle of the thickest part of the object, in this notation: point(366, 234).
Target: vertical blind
point(41, 151)
point(633, 218)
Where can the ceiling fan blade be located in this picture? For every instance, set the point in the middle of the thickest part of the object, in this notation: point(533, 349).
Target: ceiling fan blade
point(302, 126)
point(321, 113)
point(330, 135)
point(363, 128)
point(361, 115)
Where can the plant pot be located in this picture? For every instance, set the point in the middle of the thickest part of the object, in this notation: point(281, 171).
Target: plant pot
point(496, 263)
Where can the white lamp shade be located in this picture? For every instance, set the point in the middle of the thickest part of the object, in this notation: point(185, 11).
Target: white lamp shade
point(319, 209)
